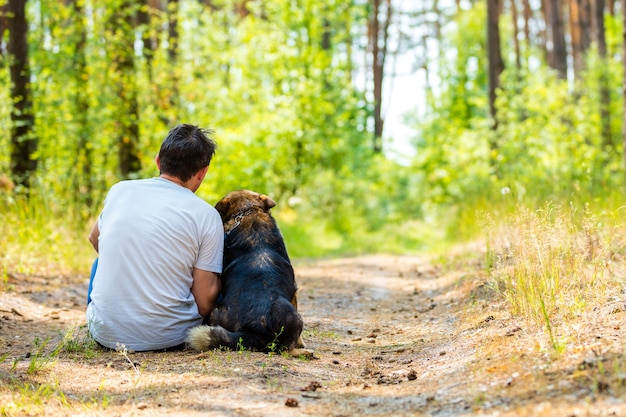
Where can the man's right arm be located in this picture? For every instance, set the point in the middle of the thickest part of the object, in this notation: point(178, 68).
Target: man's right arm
point(94, 235)
point(205, 289)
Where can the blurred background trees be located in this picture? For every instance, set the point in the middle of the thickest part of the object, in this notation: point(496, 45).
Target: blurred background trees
point(516, 95)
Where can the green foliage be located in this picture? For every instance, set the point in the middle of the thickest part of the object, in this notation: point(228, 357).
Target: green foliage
point(548, 142)
point(273, 346)
point(278, 96)
point(277, 87)
point(452, 146)
point(240, 346)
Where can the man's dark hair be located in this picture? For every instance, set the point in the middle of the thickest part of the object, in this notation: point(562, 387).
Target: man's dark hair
point(186, 150)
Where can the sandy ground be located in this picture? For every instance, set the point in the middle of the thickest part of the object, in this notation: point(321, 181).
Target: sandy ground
point(393, 336)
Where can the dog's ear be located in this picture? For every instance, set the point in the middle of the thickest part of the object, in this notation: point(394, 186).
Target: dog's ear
point(268, 202)
point(222, 207)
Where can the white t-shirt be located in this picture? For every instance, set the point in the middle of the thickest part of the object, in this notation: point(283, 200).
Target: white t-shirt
point(153, 232)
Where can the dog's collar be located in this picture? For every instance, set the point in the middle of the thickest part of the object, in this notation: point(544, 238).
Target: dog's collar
point(238, 217)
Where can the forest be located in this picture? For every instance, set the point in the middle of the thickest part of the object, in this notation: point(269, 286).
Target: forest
point(465, 257)
point(518, 96)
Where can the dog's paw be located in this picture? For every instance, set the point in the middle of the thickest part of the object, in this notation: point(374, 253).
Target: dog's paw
point(199, 338)
point(300, 352)
point(300, 343)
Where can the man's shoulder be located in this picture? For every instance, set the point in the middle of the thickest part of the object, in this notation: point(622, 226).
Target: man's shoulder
point(125, 184)
point(206, 206)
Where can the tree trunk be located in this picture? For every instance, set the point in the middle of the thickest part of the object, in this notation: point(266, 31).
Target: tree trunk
point(150, 41)
point(575, 34)
point(584, 10)
point(172, 32)
point(518, 58)
point(543, 35)
point(496, 65)
point(557, 57)
point(23, 143)
point(605, 95)
point(83, 183)
point(374, 32)
point(527, 14)
point(580, 31)
point(122, 22)
point(4, 8)
point(168, 91)
point(611, 6)
point(241, 8)
point(378, 48)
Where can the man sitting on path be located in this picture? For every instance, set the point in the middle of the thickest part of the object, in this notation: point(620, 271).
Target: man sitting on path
point(160, 251)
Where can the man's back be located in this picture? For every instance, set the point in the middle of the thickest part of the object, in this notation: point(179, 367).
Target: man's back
point(153, 233)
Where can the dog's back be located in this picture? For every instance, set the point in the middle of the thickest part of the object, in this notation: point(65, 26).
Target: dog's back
point(257, 310)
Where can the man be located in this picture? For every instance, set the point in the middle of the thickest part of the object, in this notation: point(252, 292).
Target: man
point(160, 251)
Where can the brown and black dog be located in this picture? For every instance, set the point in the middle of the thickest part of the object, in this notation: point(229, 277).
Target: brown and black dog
point(257, 309)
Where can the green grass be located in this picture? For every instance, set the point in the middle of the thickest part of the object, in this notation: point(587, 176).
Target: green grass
point(552, 263)
point(549, 265)
point(549, 262)
point(76, 341)
point(316, 238)
point(41, 237)
point(31, 395)
point(40, 357)
point(30, 398)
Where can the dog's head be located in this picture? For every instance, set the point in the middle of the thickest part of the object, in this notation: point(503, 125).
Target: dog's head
point(237, 203)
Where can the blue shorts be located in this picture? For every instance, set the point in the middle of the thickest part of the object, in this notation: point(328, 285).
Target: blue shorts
point(93, 274)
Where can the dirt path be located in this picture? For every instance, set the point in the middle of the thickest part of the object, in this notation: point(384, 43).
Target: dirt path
point(393, 336)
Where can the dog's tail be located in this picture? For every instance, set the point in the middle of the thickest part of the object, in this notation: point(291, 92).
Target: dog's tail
point(212, 337)
point(281, 329)
point(204, 338)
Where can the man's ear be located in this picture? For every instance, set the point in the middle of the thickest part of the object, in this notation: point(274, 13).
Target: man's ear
point(268, 202)
point(200, 175)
